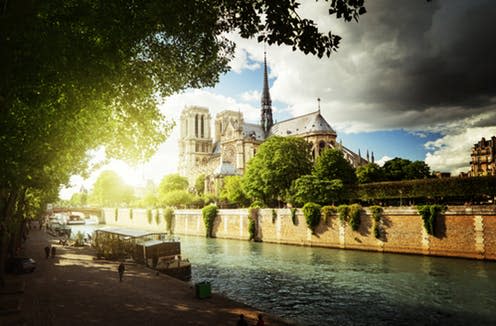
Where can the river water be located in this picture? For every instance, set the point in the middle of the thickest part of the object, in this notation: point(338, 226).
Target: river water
point(318, 286)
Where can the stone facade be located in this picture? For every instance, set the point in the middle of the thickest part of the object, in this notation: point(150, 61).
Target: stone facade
point(467, 232)
point(483, 158)
point(233, 142)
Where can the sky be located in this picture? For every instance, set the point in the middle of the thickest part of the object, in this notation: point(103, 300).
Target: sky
point(414, 80)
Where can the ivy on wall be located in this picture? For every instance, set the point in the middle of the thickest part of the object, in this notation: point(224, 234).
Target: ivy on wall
point(157, 216)
point(131, 214)
point(343, 213)
point(311, 211)
point(293, 216)
point(252, 222)
point(376, 218)
point(116, 214)
point(209, 214)
point(327, 212)
point(350, 214)
point(355, 212)
point(149, 216)
point(274, 216)
point(429, 215)
point(168, 215)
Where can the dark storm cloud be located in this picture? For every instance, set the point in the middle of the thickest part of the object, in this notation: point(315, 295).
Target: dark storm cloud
point(427, 54)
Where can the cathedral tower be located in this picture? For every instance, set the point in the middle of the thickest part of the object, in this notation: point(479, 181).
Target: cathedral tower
point(266, 118)
point(195, 142)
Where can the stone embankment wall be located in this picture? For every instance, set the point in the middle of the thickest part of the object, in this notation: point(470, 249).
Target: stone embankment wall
point(461, 231)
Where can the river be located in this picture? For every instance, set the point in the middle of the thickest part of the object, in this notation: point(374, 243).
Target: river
point(318, 286)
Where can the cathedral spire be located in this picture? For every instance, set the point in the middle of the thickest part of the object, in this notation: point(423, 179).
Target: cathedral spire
point(266, 116)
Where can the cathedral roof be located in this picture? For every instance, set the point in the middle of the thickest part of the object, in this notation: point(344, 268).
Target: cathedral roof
point(224, 169)
point(309, 123)
point(253, 131)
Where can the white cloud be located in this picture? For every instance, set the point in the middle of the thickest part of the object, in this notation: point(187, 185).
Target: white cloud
point(451, 153)
point(383, 160)
point(251, 96)
point(242, 61)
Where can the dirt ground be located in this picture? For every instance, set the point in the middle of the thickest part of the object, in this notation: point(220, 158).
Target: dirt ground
point(76, 289)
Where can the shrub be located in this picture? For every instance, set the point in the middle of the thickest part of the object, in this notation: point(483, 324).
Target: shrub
point(354, 212)
point(149, 216)
point(460, 189)
point(209, 214)
point(312, 215)
point(293, 216)
point(168, 214)
point(376, 217)
point(327, 212)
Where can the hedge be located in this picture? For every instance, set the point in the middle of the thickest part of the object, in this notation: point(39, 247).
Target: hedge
point(465, 188)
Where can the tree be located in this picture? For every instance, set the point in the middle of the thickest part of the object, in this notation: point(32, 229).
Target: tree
point(370, 172)
point(172, 182)
point(331, 165)
point(77, 75)
point(176, 198)
point(110, 190)
point(233, 192)
point(399, 169)
point(395, 169)
point(310, 188)
point(200, 184)
point(417, 170)
point(278, 162)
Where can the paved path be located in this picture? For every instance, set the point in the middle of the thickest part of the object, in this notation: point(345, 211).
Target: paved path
point(75, 289)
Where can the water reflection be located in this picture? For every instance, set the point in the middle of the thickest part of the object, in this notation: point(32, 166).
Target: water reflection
point(317, 286)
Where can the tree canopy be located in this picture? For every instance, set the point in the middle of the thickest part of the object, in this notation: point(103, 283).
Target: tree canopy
point(399, 169)
point(278, 162)
point(172, 182)
point(77, 75)
point(110, 190)
point(331, 165)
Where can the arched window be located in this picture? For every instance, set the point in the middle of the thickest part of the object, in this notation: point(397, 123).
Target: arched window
point(196, 125)
point(321, 144)
point(202, 128)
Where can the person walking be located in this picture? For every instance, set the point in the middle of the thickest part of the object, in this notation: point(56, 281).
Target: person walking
point(47, 252)
point(121, 270)
point(53, 251)
point(260, 321)
point(242, 321)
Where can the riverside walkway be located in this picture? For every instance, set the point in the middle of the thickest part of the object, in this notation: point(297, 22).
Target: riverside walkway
point(76, 289)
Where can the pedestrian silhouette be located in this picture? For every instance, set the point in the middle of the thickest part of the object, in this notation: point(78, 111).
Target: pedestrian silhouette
point(121, 269)
point(53, 252)
point(260, 321)
point(241, 321)
point(47, 251)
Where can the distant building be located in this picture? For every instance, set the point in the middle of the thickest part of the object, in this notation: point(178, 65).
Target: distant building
point(441, 175)
point(233, 142)
point(483, 158)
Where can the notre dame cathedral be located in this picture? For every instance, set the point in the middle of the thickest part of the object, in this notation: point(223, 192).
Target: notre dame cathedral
point(234, 142)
